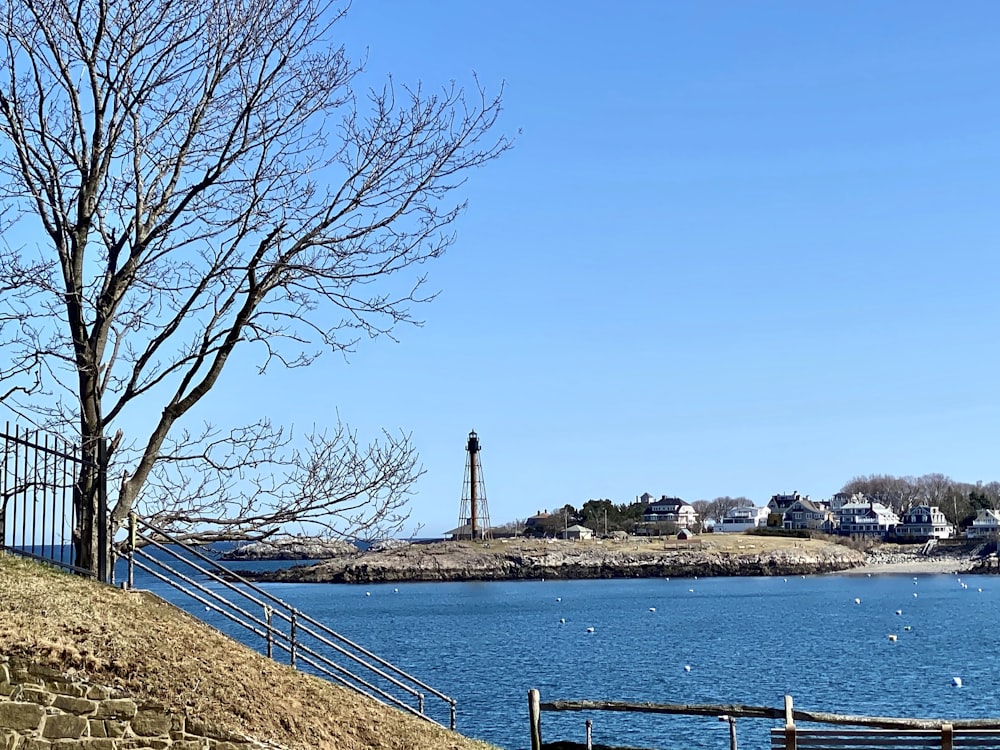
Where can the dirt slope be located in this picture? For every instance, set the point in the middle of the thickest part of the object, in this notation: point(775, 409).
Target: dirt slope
point(152, 650)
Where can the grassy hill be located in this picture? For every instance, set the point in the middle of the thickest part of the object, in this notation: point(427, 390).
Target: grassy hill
point(153, 651)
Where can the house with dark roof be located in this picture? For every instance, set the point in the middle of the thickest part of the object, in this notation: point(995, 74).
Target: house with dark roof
point(670, 510)
point(814, 515)
point(866, 519)
point(923, 522)
point(777, 506)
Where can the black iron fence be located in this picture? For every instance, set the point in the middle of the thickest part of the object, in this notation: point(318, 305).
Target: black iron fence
point(40, 478)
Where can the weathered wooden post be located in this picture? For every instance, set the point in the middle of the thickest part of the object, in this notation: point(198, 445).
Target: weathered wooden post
point(732, 730)
point(790, 742)
point(947, 733)
point(590, 735)
point(535, 719)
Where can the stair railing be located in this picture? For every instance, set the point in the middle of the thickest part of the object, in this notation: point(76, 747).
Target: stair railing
point(279, 626)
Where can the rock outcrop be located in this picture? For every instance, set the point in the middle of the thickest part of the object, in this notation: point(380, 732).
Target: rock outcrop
point(464, 561)
point(292, 548)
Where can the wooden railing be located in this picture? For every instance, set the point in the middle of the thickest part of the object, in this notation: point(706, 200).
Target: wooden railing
point(878, 733)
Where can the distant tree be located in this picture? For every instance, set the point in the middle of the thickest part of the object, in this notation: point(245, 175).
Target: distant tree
point(897, 493)
point(180, 181)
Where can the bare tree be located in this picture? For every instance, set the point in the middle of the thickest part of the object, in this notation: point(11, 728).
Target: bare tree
point(179, 180)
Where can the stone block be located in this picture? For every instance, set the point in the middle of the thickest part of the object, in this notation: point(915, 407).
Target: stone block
point(211, 730)
point(35, 743)
point(78, 706)
point(116, 708)
point(150, 723)
point(40, 670)
point(10, 740)
point(36, 694)
point(115, 728)
point(64, 687)
point(21, 716)
point(98, 693)
point(84, 744)
point(97, 728)
point(65, 726)
point(201, 744)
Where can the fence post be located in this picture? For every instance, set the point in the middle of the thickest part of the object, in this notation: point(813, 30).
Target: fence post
point(535, 719)
point(131, 550)
point(103, 547)
point(947, 733)
point(270, 633)
point(791, 743)
point(291, 636)
point(590, 735)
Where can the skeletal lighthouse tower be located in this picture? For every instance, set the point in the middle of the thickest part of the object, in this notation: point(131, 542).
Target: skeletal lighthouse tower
point(473, 512)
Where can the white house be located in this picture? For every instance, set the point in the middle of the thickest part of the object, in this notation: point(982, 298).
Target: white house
point(924, 522)
point(741, 519)
point(576, 532)
point(866, 519)
point(985, 526)
point(671, 510)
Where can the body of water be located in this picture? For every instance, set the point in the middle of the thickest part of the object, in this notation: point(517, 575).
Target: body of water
point(716, 640)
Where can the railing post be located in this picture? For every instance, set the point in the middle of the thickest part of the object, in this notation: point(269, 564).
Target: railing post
point(102, 510)
point(292, 635)
point(131, 550)
point(791, 742)
point(590, 735)
point(451, 702)
point(420, 703)
point(270, 632)
point(947, 734)
point(535, 719)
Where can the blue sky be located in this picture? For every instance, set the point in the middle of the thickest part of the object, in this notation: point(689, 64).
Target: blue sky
point(739, 248)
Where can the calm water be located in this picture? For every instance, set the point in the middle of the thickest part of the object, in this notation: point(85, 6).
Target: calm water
point(746, 640)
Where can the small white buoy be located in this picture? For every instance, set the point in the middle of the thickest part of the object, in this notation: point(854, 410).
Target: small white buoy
point(857, 600)
point(786, 580)
point(892, 637)
point(956, 681)
point(980, 591)
point(914, 594)
point(208, 609)
point(687, 667)
point(395, 591)
point(652, 609)
point(907, 628)
point(368, 593)
point(558, 598)
point(690, 591)
point(562, 619)
point(899, 611)
point(869, 575)
point(590, 630)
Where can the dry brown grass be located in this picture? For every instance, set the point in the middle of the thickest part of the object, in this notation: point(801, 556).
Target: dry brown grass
point(153, 651)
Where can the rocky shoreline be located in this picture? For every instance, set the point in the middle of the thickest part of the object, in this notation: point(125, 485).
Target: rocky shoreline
point(497, 561)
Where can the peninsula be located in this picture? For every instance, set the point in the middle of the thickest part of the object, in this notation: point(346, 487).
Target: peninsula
point(526, 559)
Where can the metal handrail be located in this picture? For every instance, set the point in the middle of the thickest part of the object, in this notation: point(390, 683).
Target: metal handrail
point(300, 625)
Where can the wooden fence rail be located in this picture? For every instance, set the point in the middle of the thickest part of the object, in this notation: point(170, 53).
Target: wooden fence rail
point(789, 737)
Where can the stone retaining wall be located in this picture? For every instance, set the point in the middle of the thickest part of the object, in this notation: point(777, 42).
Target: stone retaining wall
point(42, 709)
